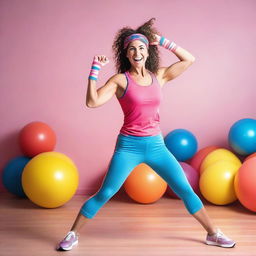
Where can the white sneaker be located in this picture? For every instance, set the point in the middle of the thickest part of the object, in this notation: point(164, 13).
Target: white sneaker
point(68, 242)
point(219, 239)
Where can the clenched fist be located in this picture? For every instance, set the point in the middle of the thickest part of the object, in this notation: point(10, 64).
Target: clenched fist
point(98, 62)
point(102, 59)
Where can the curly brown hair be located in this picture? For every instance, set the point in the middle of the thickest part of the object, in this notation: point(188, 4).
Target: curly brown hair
point(122, 63)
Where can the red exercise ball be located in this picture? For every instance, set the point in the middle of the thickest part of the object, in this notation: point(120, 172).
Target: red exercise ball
point(250, 156)
point(198, 158)
point(36, 138)
point(192, 177)
point(144, 185)
point(245, 184)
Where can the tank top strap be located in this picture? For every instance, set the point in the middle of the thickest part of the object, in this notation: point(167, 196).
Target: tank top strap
point(153, 77)
point(155, 80)
point(129, 78)
point(127, 75)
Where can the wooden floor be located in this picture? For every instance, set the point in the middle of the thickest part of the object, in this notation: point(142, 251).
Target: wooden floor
point(122, 227)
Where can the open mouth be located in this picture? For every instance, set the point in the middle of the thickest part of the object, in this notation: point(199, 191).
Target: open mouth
point(138, 59)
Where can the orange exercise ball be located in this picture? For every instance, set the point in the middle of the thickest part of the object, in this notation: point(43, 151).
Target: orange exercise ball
point(36, 138)
point(245, 184)
point(144, 185)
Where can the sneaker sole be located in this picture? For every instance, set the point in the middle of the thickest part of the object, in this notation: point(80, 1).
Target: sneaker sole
point(67, 248)
point(224, 246)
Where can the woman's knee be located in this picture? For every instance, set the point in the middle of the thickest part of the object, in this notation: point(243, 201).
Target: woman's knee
point(183, 190)
point(105, 194)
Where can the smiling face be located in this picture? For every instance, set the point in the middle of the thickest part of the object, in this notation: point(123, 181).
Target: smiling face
point(137, 53)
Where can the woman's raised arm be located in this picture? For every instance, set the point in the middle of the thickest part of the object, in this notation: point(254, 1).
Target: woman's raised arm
point(175, 69)
point(97, 97)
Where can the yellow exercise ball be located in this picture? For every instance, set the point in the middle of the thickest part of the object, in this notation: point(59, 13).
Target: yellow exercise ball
point(50, 179)
point(217, 155)
point(217, 182)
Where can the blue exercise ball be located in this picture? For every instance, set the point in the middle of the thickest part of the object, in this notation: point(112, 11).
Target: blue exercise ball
point(181, 143)
point(242, 136)
point(12, 174)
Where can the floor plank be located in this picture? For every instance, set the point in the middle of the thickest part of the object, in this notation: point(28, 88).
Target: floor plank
point(122, 227)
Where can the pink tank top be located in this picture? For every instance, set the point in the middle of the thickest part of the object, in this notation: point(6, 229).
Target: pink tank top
point(140, 105)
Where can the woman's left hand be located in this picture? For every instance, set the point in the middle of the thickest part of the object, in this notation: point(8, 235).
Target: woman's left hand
point(157, 40)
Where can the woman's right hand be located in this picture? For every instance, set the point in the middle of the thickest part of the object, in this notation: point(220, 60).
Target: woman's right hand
point(156, 40)
point(102, 59)
point(98, 62)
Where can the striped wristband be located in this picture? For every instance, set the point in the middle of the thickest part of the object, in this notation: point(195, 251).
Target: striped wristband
point(167, 44)
point(96, 67)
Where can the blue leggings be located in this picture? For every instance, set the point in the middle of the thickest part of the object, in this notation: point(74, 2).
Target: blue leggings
point(129, 152)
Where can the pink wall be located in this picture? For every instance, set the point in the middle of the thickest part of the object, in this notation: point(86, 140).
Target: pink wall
point(46, 52)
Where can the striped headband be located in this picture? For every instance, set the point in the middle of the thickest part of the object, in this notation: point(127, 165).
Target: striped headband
point(133, 37)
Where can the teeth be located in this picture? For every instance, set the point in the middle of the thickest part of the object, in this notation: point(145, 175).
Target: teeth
point(138, 59)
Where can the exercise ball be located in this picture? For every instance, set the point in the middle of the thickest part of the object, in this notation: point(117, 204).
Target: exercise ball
point(12, 173)
point(181, 143)
point(242, 136)
point(36, 138)
point(192, 177)
point(198, 158)
point(250, 156)
point(217, 182)
point(50, 179)
point(245, 184)
point(144, 185)
point(217, 155)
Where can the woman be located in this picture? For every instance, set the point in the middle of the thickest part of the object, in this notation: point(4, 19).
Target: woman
point(138, 88)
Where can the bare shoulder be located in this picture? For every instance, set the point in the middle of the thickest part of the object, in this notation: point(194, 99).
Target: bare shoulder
point(119, 79)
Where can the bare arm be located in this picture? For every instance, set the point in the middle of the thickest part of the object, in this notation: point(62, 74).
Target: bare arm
point(186, 59)
point(176, 69)
point(97, 97)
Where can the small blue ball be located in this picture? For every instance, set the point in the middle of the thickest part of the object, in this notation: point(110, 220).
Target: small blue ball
point(12, 174)
point(242, 136)
point(181, 143)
